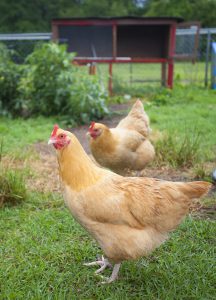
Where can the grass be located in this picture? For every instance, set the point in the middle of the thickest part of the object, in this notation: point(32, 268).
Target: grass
point(18, 134)
point(12, 187)
point(43, 250)
point(135, 79)
point(175, 111)
point(183, 112)
point(42, 247)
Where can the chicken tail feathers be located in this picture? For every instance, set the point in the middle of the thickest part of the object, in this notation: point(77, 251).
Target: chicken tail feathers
point(138, 106)
point(137, 111)
point(137, 120)
point(196, 189)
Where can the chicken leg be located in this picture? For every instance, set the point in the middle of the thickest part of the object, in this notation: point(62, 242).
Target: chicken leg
point(103, 263)
point(114, 274)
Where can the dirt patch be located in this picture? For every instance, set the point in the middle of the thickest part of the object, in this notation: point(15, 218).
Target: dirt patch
point(203, 211)
point(166, 173)
point(45, 170)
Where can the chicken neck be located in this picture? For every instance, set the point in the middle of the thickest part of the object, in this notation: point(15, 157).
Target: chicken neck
point(76, 168)
point(106, 143)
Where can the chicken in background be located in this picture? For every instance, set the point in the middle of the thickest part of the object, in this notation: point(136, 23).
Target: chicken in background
point(126, 147)
point(137, 114)
point(128, 216)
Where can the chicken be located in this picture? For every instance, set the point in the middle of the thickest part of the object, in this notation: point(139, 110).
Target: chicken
point(128, 216)
point(125, 147)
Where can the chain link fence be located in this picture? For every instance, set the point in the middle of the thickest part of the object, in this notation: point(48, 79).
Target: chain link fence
point(192, 60)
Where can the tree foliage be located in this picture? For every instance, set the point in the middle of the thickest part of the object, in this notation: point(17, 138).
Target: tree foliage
point(193, 10)
point(34, 16)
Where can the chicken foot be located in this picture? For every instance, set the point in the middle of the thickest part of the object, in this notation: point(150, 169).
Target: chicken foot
point(103, 263)
point(114, 274)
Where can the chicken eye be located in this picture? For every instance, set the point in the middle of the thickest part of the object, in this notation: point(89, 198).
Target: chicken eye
point(61, 136)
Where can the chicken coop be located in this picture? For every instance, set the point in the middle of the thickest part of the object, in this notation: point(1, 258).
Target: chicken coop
point(120, 40)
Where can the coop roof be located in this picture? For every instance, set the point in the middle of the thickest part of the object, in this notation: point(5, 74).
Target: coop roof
point(123, 18)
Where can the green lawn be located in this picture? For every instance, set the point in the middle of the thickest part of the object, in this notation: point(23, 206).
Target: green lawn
point(42, 249)
point(181, 110)
point(18, 134)
point(187, 111)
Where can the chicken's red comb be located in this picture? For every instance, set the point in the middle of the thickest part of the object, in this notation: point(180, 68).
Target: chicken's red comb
point(55, 128)
point(91, 126)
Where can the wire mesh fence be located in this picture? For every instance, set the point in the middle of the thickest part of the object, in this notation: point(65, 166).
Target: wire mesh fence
point(23, 44)
point(195, 65)
point(192, 60)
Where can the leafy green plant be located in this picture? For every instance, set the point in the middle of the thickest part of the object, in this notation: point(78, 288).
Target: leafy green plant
point(87, 99)
point(52, 85)
point(178, 151)
point(45, 79)
point(10, 74)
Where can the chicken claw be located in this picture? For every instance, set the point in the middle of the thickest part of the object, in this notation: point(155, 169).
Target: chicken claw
point(114, 275)
point(103, 263)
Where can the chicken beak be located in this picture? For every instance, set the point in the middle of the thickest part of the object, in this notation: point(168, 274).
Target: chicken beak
point(52, 140)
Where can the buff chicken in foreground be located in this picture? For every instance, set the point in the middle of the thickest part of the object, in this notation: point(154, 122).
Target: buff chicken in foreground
point(126, 147)
point(128, 216)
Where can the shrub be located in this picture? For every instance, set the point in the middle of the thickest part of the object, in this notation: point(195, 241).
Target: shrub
point(52, 85)
point(10, 74)
point(87, 98)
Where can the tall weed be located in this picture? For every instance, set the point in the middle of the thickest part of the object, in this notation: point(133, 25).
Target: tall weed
point(178, 151)
point(12, 187)
point(12, 184)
